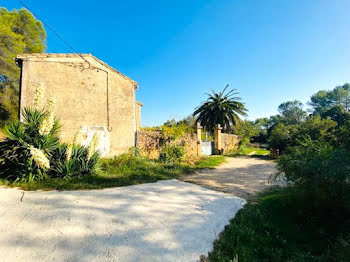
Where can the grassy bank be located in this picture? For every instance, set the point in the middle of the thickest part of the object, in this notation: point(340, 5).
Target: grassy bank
point(249, 151)
point(285, 224)
point(123, 170)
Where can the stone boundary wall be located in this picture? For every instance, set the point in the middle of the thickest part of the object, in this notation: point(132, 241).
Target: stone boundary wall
point(229, 142)
point(151, 142)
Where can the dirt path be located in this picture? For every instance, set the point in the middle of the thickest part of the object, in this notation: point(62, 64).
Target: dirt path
point(240, 176)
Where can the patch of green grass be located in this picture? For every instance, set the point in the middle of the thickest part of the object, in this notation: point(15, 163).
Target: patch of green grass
point(247, 150)
point(210, 162)
point(285, 224)
point(123, 170)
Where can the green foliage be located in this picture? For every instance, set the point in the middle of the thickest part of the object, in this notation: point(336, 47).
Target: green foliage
point(123, 170)
point(343, 135)
point(172, 130)
point(318, 129)
point(76, 166)
point(282, 136)
point(292, 112)
point(20, 33)
point(336, 113)
point(316, 164)
point(323, 100)
point(18, 164)
point(171, 154)
point(220, 108)
point(246, 130)
point(210, 162)
point(244, 150)
point(262, 125)
point(309, 220)
point(314, 127)
point(287, 224)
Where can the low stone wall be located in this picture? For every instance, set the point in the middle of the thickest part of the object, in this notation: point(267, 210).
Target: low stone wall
point(189, 142)
point(151, 142)
point(229, 142)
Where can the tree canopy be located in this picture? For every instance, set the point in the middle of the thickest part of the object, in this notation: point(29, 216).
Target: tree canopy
point(324, 100)
point(221, 108)
point(292, 112)
point(20, 33)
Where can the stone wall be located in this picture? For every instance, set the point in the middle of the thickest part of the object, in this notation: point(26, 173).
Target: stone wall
point(151, 142)
point(88, 92)
point(189, 142)
point(229, 142)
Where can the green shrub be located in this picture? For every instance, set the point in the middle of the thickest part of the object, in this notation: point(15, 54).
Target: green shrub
point(17, 161)
point(76, 166)
point(124, 161)
point(282, 224)
point(31, 150)
point(171, 154)
point(315, 163)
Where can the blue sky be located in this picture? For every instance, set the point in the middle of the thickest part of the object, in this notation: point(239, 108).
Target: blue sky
point(271, 51)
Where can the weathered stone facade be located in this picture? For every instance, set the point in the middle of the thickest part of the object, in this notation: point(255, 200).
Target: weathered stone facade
point(229, 142)
point(91, 96)
point(151, 142)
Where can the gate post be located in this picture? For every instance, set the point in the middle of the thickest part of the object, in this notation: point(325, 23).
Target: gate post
point(217, 139)
point(199, 139)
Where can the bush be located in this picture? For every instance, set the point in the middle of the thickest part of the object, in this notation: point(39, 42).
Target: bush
point(315, 163)
point(78, 164)
point(23, 143)
point(282, 137)
point(171, 154)
point(31, 151)
point(282, 224)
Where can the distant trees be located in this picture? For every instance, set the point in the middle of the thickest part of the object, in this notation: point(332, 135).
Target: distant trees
point(221, 108)
point(328, 122)
point(323, 100)
point(292, 112)
point(20, 33)
point(246, 130)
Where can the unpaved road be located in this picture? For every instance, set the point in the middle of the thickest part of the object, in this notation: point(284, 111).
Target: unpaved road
point(240, 176)
point(166, 221)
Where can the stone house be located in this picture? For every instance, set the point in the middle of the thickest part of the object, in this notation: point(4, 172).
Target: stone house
point(91, 97)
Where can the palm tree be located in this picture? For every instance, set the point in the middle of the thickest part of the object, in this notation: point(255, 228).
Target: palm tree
point(220, 108)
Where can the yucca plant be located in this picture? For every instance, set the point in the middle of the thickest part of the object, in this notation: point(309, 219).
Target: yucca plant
point(32, 151)
point(220, 108)
point(24, 151)
point(77, 165)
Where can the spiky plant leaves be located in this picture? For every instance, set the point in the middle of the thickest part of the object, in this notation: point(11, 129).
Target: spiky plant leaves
point(16, 160)
point(221, 108)
point(78, 165)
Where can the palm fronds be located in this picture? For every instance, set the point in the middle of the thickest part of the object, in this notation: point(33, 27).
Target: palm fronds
point(221, 108)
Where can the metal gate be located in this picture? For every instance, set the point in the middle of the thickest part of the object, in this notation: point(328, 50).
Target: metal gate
point(207, 148)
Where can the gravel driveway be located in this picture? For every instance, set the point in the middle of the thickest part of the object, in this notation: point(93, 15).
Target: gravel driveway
point(165, 221)
point(240, 176)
